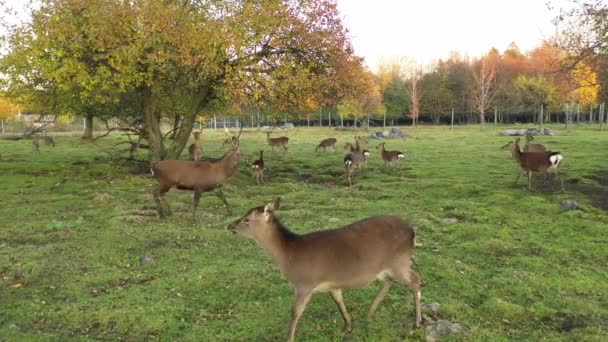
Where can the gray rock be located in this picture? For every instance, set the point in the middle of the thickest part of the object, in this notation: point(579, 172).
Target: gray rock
point(374, 136)
point(334, 219)
point(570, 205)
point(449, 220)
point(522, 274)
point(146, 260)
point(287, 125)
point(384, 133)
point(396, 133)
point(432, 307)
point(440, 328)
point(13, 326)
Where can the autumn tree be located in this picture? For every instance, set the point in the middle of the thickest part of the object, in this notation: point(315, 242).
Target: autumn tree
point(484, 89)
point(178, 57)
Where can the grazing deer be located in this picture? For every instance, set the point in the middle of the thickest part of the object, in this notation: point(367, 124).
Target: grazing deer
point(195, 148)
point(353, 256)
point(389, 156)
point(542, 162)
point(532, 147)
point(258, 169)
point(277, 142)
point(325, 143)
point(196, 175)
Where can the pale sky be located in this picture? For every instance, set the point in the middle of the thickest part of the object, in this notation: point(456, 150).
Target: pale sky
point(430, 29)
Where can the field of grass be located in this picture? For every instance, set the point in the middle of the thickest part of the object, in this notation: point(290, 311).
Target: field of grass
point(506, 263)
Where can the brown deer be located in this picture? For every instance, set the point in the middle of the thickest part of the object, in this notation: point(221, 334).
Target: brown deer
point(353, 256)
point(195, 148)
point(198, 176)
point(389, 156)
point(532, 147)
point(325, 143)
point(277, 142)
point(48, 141)
point(258, 169)
point(353, 160)
point(35, 145)
point(546, 163)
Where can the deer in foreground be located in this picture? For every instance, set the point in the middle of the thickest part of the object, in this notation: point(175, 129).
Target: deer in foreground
point(546, 163)
point(277, 142)
point(389, 156)
point(196, 175)
point(258, 169)
point(325, 143)
point(194, 149)
point(353, 256)
point(532, 147)
point(353, 160)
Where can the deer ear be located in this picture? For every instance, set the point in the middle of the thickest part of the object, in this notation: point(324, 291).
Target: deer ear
point(272, 206)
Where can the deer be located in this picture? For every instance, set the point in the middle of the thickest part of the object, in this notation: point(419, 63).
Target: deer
point(352, 256)
point(325, 143)
point(195, 149)
point(258, 169)
point(532, 147)
point(277, 142)
point(35, 145)
point(198, 176)
point(389, 156)
point(543, 162)
point(353, 160)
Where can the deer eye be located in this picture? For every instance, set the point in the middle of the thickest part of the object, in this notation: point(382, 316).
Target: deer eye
point(247, 220)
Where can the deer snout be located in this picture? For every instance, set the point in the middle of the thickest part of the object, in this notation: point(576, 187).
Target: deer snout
point(232, 227)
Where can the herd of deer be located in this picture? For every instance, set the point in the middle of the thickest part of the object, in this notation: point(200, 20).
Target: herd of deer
point(379, 247)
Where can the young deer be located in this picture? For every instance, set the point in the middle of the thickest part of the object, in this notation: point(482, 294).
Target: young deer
point(353, 256)
point(35, 145)
point(325, 143)
point(258, 169)
point(194, 149)
point(532, 147)
point(195, 175)
point(354, 160)
point(389, 156)
point(542, 162)
point(277, 142)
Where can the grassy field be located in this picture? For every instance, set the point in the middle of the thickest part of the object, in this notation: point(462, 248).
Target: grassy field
point(506, 263)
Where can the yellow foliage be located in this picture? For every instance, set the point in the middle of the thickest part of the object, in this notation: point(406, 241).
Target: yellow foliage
point(587, 91)
point(8, 108)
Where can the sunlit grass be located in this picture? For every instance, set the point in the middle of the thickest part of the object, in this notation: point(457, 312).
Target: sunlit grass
point(507, 263)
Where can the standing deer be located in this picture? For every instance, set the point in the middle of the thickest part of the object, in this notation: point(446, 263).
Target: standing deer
point(196, 175)
point(532, 147)
point(35, 145)
point(325, 143)
point(195, 148)
point(542, 162)
point(277, 142)
point(353, 256)
point(258, 169)
point(353, 160)
point(389, 156)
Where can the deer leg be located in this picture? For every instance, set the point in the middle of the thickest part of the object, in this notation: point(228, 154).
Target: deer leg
point(298, 308)
point(517, 178)
point(158, 194)
point(530, 179)
point(415, 282)
point(337, 296)
point(196, 199)
point(561, 181)
point(219, 193)
point(262, 177)
point(379, 297)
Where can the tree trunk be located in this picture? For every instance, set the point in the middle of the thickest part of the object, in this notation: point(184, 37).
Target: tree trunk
point(482, 120)
point(155, 138)
point(176, 125)
point(88, 127)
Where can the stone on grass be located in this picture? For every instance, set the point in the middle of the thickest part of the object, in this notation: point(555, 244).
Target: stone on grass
point(146, 259)
point(440, 328)
point(432, 307)
point(569, 205)
point(397, 133)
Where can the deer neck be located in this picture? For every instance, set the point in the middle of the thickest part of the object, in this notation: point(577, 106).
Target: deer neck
point(516, 152)
point(230, 163)
point(275, 241)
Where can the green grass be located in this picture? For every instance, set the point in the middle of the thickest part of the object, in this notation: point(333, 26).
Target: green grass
point(74, 223)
